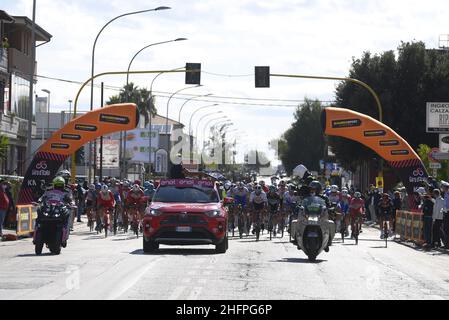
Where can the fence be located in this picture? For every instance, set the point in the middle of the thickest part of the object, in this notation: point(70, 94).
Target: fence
point(409, 226)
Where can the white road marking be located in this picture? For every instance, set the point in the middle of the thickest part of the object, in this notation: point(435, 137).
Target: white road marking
point(176, 293)
point(131, 282)
point(195, 293)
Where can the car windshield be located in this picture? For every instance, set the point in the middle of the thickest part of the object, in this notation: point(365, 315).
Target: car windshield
point(185, 195)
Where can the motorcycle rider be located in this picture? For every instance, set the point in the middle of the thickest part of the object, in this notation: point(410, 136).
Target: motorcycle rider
point(315, 192)
point(58, 195)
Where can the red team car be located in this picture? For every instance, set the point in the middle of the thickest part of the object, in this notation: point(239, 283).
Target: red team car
point(185, 212)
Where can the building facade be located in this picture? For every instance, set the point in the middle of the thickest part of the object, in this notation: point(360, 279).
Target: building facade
point(15, 66)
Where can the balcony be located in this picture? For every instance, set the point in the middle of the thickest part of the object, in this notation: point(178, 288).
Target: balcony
point(19, 61)
point(3, 60)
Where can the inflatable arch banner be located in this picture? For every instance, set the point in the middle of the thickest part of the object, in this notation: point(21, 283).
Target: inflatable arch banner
point(65, 142)
point(380, 138)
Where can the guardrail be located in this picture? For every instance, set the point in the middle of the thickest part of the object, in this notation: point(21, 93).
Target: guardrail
point(409, 226)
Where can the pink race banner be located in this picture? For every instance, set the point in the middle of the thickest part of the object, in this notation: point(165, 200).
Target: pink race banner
point(185, 183)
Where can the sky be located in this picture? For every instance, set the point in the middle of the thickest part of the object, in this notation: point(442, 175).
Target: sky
point(229, 38)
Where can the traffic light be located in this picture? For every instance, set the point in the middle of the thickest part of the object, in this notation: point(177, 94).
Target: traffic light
point(262, 75)
point(193, 73)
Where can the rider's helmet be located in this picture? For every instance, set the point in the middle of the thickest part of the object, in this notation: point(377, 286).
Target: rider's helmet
point(104, 188)
point(65, 174)
point(240, 185)
point(258, 189)
point(227, 185)
point(315, 186)
point(282, 183)
point(357, 195)
point(137, 182)
point(58, 183)
point(272, 189)
point(334, 189)
point(91, 187)
point(136, 187)
point(146, 184)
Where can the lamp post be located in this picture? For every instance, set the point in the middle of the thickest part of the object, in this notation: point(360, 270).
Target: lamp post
point(203, 117)
point(195, 112)
point(166, 118)
point(150, 45)
point(70, 110)
point(93, 61)
point(224, 120)
point(125, 164)
point(48, 111)
point(193, 98)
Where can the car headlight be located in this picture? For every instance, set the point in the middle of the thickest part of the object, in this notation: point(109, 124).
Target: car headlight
point(213, 213)
point(153, 212)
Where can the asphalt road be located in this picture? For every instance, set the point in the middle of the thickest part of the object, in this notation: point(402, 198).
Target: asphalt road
point(92, 267)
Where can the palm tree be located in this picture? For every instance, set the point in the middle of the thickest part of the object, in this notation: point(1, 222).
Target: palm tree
point(143, 98)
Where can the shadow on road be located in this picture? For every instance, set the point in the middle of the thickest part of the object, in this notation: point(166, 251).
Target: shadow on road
point(27, 255)
point(299, 260)
point(178, 252)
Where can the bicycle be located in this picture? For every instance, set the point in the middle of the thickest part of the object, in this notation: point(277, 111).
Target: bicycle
point(241, 221)
point(115, 218)
point(231, 218)
point(356, 231)
point(385, 233)
point(257, 216)
point(135, 221)
point(90, 218)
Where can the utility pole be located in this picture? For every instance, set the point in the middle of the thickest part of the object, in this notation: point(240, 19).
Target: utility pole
point(30, 99)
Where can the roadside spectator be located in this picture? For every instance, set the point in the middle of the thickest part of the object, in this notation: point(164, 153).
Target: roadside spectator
point(445, 187)
point(4, 204)
point(415, 201)
point(79, 198)
point(11, 212)
point(427, 209)
point(374, 199)
point(397, 205)
point(437, 218)
point(5, 43)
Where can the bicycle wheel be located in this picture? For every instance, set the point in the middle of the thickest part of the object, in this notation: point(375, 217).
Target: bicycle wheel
point(114, 226)
point(342, 231)
point(386, 234)
point(270, 225)
point(356, 231)
point(106, 225)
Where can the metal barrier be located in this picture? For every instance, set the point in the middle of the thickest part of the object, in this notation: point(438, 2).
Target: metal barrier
point(409, 226)
point(26, 220)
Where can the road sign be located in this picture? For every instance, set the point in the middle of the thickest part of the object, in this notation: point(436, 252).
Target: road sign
point(437, 120)
point(431, 153)
point(440, 156)
point(435, 165)
point(444, 142)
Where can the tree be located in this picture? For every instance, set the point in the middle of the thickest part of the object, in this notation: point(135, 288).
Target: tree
point(143, 98)
point(304, 142)
point(404, 84)
point(423, 152)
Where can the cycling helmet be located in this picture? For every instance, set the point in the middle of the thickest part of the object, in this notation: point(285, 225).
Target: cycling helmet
point(64, 173)
point(282, 183)
point(227, 185)
point(136, 187)
point(97, 186)
point(137, 182)
point(146, 184)
point(104, 188)
point(315, 185)
point(358, 195)
point(240, 185)
point(92, 187)
point(334, 188)
point(58, 182)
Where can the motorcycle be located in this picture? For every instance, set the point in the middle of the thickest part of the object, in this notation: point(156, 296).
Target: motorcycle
point(51, 227)
point(312, 231)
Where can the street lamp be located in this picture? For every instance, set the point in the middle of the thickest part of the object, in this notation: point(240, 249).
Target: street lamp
point(195, 112)
point(223, 121)
point(196, 97)
point(93, 60)
point(203, 117)
point(70, 110)
point(150, 45)
point(48, 111)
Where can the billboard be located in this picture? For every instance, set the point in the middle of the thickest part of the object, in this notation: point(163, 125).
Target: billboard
point(138, 145)
point(437, 117)
point(111, 154)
